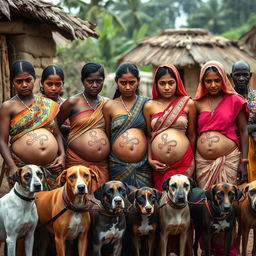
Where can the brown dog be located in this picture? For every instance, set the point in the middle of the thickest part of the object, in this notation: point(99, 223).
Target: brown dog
point(75, 221)
point(246, 210)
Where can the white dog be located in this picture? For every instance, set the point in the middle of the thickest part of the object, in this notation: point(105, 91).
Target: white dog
point(18, 214)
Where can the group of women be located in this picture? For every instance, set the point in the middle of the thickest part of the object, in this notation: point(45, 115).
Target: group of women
point(131, 138)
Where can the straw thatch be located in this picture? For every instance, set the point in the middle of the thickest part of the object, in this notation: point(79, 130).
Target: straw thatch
point(68, 26)
point(185, 47)
point(248, 41)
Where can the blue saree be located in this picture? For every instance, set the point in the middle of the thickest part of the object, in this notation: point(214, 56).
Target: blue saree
point(137, 174)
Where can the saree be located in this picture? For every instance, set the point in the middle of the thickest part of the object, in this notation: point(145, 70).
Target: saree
point(41, 115)
point(166, 120)
point(79, 124)
point(137, 174)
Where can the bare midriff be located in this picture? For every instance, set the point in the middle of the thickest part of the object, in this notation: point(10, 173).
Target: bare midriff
point(213, 144)
point(131, 146)
point(36, 147)
point(170, 146)
point(91, 146)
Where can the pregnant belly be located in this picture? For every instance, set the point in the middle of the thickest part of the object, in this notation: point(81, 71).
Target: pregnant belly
point(38, 147)
point(92, 146)
point(169, 146)
point(213, 144)
point(131, 146)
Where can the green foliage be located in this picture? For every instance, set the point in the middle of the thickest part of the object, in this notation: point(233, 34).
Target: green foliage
point(235, 33)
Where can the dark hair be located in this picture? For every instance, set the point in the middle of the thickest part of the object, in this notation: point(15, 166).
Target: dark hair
point(52, 70)
point(125, 68)
point(208, 70)
point(90, 68)
point(20, 66)
point(163, 71)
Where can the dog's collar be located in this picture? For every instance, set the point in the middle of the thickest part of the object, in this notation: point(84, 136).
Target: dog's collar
point(175, 206)
point(215, 217)
point(70, 206)
point(28, 199)
point(105, 212)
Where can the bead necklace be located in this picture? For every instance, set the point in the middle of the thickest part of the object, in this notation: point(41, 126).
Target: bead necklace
point(27, 107)
point(125, 106)
point(86, 100)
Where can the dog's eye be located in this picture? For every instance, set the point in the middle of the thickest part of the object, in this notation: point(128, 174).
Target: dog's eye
point(39, 174)
point(27, 176)
point(86, 175)
point(220, 194)
point(174, 186)
point(252, 192)
point(186, 185)
point(110, 191)
point(73, 176)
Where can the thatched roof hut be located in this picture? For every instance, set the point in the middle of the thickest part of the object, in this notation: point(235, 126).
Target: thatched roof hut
point(26, 28)
point(248, 41)
point(188, 49)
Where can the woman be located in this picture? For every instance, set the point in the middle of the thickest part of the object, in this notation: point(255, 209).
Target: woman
point(30, 121)
point(220, 156)
point(88, 144)
point(170, 118)
point(125, 125)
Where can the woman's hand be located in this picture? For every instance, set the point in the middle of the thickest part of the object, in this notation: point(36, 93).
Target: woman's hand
point(242, 173)
point(58, 164)
point(158, 166)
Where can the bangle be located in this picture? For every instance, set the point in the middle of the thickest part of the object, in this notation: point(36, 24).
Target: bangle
point(244, 160)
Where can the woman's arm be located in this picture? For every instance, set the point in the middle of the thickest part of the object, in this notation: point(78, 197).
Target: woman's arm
point(107, 116)
point(65, 111)
point(242, 127)
point(191, 130)
point(4, 137)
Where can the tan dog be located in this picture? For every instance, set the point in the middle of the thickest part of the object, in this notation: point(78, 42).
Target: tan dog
point(174, 216)
point(75, 221)
point(246, 210)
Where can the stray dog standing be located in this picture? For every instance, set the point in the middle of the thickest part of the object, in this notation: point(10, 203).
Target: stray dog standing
point(142, 219)
point(247, 217)
point(18, 214)
point(109, 223)
point(72, 200)
point(174, 216)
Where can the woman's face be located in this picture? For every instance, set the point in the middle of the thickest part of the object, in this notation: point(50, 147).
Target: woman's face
point(52, 87)
point(213, 83)
point(93, 84)
point(23, 83)
point(167, 86)
point(127, 84)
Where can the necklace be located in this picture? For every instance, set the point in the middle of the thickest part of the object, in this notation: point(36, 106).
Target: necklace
point(86, 100)
point(27, 107)
point(125, 106)
point(213, 105)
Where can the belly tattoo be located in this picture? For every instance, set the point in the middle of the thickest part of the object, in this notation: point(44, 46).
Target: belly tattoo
point(210, 139)
point(35, 137)
point(95, 140)
point(169, 143)
point(126, 140)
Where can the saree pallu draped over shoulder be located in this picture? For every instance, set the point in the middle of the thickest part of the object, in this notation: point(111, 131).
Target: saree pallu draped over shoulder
point(165, 121)
point(80, 124)
point(137, 174)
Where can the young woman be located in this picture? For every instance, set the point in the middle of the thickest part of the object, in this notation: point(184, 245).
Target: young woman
point(30, 122)
point(87, 141)
point(220, 156)
point(125, 125)
point(171, 118)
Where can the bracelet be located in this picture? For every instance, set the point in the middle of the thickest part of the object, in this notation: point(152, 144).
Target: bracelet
point(244, 160)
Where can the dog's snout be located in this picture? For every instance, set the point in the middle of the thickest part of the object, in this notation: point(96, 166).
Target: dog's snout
point(118, 201)
point(227, 207)
point(37, 187)
point(148, 209)
point(81, 188)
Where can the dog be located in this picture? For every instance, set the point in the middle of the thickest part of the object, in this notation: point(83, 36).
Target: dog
point(142, 219)
point(72, 199)
point(109, 222)
point(174, 216)
point(18, 213)
point(218, 214)
point(246, 210)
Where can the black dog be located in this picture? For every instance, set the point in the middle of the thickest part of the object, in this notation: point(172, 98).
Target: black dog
point(109, 222)
point(212, 212)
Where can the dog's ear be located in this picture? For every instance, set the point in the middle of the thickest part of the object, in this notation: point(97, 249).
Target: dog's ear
point(132, 195)
point(158, 194)
point(193, 183)
point(17, 176)
point(98, 193)
point(129, 188)
point(165, 184)
point(209, 193)
point(62, 177)
point(238, 193)
point(245, 191)
point(94, 175)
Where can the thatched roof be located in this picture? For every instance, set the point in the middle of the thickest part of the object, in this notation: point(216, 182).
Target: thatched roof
point(68, 26)
point(248, 41)
point(186, 47)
